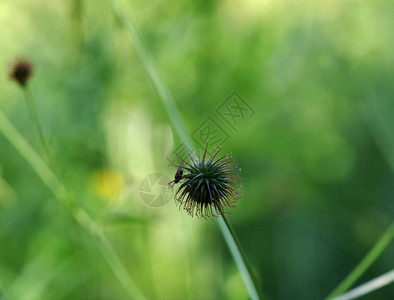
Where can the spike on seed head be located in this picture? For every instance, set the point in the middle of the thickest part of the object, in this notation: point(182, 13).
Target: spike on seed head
point(21, 70)
point(207, 185)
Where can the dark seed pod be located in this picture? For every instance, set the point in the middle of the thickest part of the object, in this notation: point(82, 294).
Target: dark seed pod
point(208, 187)
point(21, 70)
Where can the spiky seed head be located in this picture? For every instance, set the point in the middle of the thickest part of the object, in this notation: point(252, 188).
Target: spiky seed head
point(207, 187)
point(21, 70)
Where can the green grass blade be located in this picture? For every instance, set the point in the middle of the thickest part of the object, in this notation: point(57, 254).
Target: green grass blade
point(109, 253)
point(58, 189)
point(372, 255)
point(376, 117)
point(370, 286)
point(34, 160)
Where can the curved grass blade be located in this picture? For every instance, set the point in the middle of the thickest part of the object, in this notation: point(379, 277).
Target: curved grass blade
point(58, 189)
point(372, 255)
point(368, 287)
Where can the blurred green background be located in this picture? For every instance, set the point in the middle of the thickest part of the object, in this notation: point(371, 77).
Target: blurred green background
point(318, 154)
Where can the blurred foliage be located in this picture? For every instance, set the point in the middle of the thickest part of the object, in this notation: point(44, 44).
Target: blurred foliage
point(318, 154)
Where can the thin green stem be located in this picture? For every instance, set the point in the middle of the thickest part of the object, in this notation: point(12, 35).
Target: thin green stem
point(166, 97)
point(372, 255)
point(239, 256)
point(58, 189)
point(35, 161)
point(148, 61)
point(109, 253)
point(36, 122)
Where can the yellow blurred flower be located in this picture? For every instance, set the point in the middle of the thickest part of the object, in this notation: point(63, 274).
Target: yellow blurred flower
point(108, 184)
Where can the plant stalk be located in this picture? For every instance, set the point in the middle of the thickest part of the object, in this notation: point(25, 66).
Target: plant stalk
point(166, 97)
point(239, 256)
point(36, 122)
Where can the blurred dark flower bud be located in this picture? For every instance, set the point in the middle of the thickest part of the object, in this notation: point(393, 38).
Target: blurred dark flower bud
point(21, 70)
